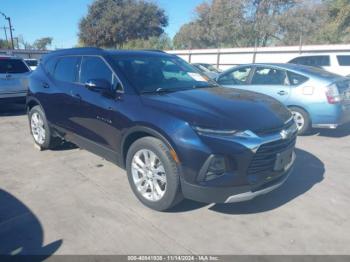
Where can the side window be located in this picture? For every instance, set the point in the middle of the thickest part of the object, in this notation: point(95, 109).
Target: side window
point(269, 76)
point(296, 79)
point(67, 69)
point(343, 60)
point(49, 66)
point(318, 61)
point(236, 77)
point(95, 68)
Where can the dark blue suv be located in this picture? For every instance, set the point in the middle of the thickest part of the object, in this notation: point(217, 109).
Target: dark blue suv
point(177, 133)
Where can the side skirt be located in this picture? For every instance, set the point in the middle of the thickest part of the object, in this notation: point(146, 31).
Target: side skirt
point(95, 148)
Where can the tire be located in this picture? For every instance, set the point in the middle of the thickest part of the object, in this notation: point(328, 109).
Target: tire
point(302, 120)
point(40, 129)
point(165, 184)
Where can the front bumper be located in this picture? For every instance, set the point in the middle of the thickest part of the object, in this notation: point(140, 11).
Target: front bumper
point(249, 172)
point(231, 194)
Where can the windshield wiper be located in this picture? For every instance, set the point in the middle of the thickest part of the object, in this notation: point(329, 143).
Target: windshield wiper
point(206, 86)
point(159, 91)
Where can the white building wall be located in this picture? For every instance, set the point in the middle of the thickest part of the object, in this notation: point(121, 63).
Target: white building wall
point(228, 57)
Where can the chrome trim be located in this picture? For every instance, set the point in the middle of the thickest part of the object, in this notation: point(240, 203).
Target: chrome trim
point(330, 126)
point(250, 195)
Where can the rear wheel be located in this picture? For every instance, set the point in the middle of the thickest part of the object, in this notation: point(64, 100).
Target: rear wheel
point(40, 129)
point(153, 174)
point(302, 120)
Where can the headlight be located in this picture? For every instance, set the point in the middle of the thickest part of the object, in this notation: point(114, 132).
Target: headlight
point(219, 132)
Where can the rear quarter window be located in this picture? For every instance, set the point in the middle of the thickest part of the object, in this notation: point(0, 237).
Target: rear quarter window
point(13, 66)
point(296, 79)
point(344, 60)
point(66, 69)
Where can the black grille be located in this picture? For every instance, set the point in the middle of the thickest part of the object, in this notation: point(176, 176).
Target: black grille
point(264, 160)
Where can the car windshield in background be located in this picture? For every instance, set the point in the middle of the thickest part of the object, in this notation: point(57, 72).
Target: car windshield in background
point(12, 66)
point(211, 68)
point(31, 62)
point(160, 74)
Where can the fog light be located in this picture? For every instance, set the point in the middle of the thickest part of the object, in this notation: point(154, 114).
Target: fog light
point(216, 168)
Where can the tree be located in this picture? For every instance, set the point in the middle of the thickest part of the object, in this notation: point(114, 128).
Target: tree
point(112, 23)
point(43, 43)
point(337, 27)
point(4, 44)
point(162, 42)
point(226, 23)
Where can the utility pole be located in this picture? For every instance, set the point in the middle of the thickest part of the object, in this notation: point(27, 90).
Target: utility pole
point(5, 33)
point(11, 29)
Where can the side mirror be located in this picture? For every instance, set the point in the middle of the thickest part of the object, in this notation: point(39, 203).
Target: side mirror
point(98, 85)
point(101, 86)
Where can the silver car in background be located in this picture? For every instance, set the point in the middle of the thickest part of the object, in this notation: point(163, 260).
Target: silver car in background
point(13, 78)
point(317, 98)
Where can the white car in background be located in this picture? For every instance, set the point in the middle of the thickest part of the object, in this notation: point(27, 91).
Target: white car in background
point(32, 63)
point(13, 79)
point(338, 63)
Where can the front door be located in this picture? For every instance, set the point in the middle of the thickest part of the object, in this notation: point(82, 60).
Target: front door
point(94, 119)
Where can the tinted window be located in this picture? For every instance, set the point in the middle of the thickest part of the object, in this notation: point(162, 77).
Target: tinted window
point(49, 66)
point(312, 60)
point(67, 68)
point(344, 60)
point(95, 68)
point(12, 66)
point(269, 76)
point(236, 77)
point(296, 79)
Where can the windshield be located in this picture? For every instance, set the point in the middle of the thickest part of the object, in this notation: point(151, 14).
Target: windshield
point(150, 74)
point(211, 68)
point(12, 66)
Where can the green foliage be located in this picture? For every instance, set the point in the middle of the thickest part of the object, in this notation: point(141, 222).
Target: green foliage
point(159, 43)
point(43, 43)
point(241, 23)
point(112, 23)
point(4, 44)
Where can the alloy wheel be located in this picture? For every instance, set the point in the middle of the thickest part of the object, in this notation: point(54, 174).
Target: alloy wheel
point(149, 175)
point(38, 128)
point(299, 119)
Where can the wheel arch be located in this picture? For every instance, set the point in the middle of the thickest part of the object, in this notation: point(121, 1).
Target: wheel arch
point(302, 108)
point(31, 102)
point(138, 132)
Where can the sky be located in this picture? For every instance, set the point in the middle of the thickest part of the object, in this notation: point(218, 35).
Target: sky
point(59, 19)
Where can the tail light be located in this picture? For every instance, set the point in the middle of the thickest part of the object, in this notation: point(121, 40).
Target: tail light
point(332, 93)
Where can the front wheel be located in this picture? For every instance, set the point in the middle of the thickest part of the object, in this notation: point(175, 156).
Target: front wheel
point(153, 174)
point(302, 120)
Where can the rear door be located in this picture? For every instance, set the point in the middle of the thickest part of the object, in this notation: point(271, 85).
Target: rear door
point(13, 75)
point(270, 81)
point(60, 101)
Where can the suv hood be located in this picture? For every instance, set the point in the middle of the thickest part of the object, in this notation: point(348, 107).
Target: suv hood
point(222, 108)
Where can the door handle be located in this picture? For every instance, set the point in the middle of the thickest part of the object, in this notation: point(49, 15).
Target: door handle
point(45, 85)
point(282, 93)
point(75, 95)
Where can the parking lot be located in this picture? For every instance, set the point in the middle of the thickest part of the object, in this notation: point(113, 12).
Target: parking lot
point(69, 201)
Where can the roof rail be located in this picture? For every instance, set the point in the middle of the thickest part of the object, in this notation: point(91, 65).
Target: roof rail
point(153, 50)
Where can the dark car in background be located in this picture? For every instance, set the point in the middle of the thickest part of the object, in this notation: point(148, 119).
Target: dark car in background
point(176, 133)
point(13, 79)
